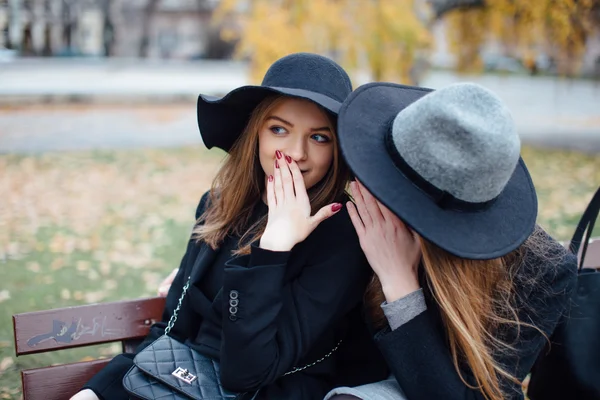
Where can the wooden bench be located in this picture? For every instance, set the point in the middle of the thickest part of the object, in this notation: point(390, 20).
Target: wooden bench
point(127, 322)
point(124, 321)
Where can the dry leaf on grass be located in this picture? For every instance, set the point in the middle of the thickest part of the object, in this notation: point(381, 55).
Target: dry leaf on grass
point(4, 295)
point(6, 363)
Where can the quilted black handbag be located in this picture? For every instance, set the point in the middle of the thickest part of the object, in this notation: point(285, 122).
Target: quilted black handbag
point(170, 370)
point(570, 367)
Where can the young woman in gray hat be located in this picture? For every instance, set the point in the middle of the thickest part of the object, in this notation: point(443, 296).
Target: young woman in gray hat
point(273, 268)
point(467, 287)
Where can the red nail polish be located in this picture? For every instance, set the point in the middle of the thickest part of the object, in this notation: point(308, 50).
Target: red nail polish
point(336, 207)
point(278, 154)
point(276, 164)
point(289, 159)
point(270, 178)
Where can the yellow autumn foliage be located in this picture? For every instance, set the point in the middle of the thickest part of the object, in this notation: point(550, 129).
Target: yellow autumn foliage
point(378, 36)
point(524, 29)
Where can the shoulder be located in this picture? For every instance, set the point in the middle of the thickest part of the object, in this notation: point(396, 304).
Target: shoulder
point(548, 273)
point(548, 259)
point(203, 204)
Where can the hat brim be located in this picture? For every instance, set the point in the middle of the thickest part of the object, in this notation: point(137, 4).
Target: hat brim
point(363, 122)
point(222, 120)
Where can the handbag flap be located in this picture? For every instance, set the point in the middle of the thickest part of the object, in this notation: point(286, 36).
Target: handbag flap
point(183, 369)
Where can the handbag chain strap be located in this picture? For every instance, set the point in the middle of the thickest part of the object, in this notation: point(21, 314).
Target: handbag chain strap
point(176, 311)
point(293, 371)
point(326, 356)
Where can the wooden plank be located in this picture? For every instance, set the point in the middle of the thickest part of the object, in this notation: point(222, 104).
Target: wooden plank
point(58, 382)
point(63, 328)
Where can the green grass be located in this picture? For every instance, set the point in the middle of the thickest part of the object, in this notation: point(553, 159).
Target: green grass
point(85, 227)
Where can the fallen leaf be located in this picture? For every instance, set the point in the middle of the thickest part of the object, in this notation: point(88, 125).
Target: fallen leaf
point(94, 297)
point(6, 363)
point(83, 265)
point(33, 266)
point(65, 294)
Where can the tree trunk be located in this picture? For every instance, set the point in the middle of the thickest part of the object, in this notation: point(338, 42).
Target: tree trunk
point(148, 12)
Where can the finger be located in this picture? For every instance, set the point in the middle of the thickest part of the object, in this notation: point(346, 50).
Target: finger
point(359, 227)
point(371, 203)
point(271, 200)
point(324, 213)
point(389, 216)
point(360, 204)
point(278, 184)
point(396, 221)
point(298, 180)
point(286, 176)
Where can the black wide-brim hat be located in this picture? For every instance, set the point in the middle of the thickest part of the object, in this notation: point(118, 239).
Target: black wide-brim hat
point(380, 139)
point(303, 75)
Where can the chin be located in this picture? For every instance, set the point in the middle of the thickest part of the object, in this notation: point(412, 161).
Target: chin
point(308, 183)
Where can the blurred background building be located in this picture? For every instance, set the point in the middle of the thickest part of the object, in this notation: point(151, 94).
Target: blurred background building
point(167, 29)
point(185, 30)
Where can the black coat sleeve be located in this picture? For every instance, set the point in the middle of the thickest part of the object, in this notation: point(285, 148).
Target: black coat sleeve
point(106, 384)
point(277, 319)
point(418, 353)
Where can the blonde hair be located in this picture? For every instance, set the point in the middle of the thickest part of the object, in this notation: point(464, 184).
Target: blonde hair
point(477, 300)
point(234, 194)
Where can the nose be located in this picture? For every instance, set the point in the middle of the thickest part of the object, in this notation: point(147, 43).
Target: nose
point(298, 149)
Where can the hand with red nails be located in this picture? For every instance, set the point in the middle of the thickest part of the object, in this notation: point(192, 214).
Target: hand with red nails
point(392, 249)
point(289, 220)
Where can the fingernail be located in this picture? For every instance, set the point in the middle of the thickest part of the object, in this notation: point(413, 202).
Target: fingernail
point(270, 178)
point(278, 154)
point(276, 164)
point(336, 207)
point(289, 159)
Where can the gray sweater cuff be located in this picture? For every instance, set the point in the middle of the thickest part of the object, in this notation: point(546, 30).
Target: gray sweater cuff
point(404, 309)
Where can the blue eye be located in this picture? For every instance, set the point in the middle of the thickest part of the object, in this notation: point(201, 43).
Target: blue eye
point(278, 130)
point(320, 138)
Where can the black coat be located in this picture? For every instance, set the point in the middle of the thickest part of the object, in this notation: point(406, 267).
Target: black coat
point(418, 352)
point(289, 309)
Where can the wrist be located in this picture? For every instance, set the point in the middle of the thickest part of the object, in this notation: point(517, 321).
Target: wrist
point(273, 245)
point(395, 288)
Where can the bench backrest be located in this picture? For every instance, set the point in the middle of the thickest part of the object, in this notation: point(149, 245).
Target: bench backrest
point(42, 331)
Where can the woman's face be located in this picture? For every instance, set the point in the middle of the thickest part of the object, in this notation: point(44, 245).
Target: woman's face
point(300, 129)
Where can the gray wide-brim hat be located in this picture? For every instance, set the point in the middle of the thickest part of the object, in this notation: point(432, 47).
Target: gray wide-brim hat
point(447, 162)
point(302, 75)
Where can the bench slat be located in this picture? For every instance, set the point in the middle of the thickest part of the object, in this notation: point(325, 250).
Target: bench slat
point(63, 328)
point(59, 382)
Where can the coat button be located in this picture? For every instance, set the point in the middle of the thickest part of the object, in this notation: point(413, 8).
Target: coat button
point(233, 310)
point(233, 318)
point(233, 294)
point(234, 302)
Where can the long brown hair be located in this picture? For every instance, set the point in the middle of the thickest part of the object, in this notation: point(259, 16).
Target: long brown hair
point(477, 301)
point(238, 185)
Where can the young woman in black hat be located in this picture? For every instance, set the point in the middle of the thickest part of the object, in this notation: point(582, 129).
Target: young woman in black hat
point(273, 265)
point(467, 287)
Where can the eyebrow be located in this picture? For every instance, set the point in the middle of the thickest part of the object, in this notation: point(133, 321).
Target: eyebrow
point(275, 117)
